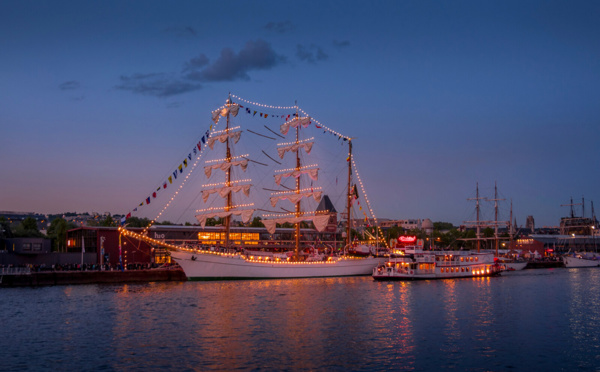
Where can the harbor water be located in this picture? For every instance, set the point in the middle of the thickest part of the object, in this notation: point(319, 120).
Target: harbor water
point(544, 320)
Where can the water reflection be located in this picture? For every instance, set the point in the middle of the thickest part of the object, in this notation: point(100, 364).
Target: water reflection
point(528, 321)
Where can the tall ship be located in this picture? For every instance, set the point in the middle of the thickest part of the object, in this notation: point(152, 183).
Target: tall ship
point(580, 226)
point(294, 183)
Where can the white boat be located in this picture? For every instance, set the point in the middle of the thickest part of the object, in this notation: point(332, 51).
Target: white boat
point(581, 260)
point(418, 264)
point(507, 264)
point(234, 262)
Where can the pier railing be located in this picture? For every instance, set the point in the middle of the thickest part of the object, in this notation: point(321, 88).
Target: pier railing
point(15, 271)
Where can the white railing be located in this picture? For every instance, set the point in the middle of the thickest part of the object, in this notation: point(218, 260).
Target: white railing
point(15, 271)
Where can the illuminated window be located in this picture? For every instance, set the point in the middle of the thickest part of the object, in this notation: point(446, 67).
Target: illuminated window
point(476, 258)
point(462, 259)
point(462, 269)
point(467, 269)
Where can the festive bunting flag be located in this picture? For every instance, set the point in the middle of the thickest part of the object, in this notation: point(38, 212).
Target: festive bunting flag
point(175, 174)
point(195, 151)
point(180, 169)
point(254, 113)
point(142, 203)
point(158, 188)
point(170, 179)
point(185, 162)
point(135, 209)
point(190, 156)
point(164, 185)
point(203, 141)
point(148, 200)
point(199, 146)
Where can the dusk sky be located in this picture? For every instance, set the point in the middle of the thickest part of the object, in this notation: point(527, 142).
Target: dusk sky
point(101, 99)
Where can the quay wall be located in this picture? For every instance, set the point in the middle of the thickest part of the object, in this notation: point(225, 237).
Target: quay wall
point(92, 277)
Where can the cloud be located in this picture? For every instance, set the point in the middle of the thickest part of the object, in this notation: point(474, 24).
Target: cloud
point(69, 85)
point(195, 63)
point(181, 31)
point(256, 55)
point(341, 44)
point(311, 54)
point(280, 27)
point(157, 84)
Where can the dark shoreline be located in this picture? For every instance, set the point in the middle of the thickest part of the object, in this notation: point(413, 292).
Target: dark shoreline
point(91, 277)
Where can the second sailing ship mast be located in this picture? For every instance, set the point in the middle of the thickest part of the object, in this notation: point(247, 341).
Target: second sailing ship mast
point(297, 254)
point(349, 196)
point(228, 181)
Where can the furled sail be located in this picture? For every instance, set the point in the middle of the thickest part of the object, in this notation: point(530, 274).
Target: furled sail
point(235, 136)
point(294, 197)
point(246, 214)
point(224, 166)
point(307, 146)
point(224, 191)
point(285, 127)
point(319, 221)
point(312, 173)
point(233, 108)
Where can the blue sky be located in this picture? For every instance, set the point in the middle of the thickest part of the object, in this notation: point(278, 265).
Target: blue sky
point(101, 99)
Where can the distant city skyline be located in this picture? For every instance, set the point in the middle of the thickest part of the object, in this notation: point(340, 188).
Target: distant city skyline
point(100, 100)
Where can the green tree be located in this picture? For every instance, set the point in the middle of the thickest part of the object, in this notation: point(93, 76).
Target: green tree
point(488, 232)
point(442, 226)
point(28, 228)
point(137, 222)
point(256, 222)
point(5, 230)
point(214, 221)
point(108, 221)
point(58, 233)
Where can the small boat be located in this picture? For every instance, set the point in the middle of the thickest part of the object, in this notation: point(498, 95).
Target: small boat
point(418, 264)
point(508, 264)
point(581, 260)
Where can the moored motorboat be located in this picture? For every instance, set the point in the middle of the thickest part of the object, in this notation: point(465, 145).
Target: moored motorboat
point(507, 264)
point(581, 260)
point(418, 264)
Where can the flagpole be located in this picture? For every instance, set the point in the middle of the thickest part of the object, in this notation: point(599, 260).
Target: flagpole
point(82, 248)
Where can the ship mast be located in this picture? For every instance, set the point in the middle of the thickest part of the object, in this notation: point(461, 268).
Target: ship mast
point(228, 181)
point(477, 198)
point(496, 214)
point(297, 254)
point(349, 197)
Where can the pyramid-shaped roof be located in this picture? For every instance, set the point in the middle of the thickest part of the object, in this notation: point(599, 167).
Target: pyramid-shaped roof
point(326, 205)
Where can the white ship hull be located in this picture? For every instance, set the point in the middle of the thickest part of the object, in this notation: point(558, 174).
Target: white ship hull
point(213, 265)
point(513, 266)
point(572, 262)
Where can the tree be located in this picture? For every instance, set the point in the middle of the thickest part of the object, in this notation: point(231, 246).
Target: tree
point(214, 221)
point(108, 221)
point(58, 233)
point(28, 228)
point(442, 226)
point(488, 232)
point(137, 222)
point(5, 230)
point(256, 222)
